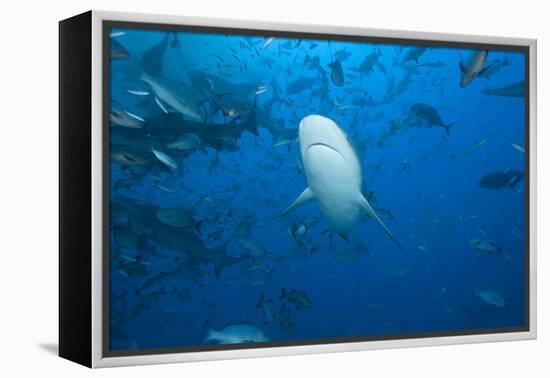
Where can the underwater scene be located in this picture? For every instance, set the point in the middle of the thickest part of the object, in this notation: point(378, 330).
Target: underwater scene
point(271, 190)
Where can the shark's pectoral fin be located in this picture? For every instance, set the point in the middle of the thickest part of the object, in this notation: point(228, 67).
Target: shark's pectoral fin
point(368, 210)
point(306, 196)
point(161, 105)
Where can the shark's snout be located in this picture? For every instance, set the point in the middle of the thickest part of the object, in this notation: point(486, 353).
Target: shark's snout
point(316, 129)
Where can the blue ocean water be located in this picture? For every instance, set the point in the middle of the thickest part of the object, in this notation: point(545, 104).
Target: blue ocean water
point(205, 155)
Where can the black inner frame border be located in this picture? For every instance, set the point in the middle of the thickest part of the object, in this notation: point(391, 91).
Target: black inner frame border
point(109, 24)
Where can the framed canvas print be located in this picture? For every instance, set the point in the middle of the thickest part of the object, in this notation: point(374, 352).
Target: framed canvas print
point(237, 189)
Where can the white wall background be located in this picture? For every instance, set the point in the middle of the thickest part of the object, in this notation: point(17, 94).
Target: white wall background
point(28, 193)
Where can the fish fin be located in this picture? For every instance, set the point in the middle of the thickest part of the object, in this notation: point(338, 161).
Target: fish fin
point(367, 208)
point(161, 105)
point(283, 293)
point(448, 128)
point(306, 196)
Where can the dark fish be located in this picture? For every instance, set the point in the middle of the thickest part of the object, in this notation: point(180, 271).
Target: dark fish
point(499, 180)
point(337, 73)
point(397, 88)
point(369, 62)
point(313, 62)
point(300, 84)
point(342, 55)
point(427, 116)
point(494, 67)
point(298, 297)
point(414, 53)
point(485, 246)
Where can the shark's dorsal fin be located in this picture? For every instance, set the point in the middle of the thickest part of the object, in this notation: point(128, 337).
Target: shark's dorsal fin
point(306, 196)
point(368, 210)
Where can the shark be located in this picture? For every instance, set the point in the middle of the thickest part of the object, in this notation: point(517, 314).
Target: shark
point(513, 90)
point(169, 94)
point(334, 177)
point(474, 68)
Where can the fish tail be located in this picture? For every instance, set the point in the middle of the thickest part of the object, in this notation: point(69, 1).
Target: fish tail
point(448, 128)
point(283, 293)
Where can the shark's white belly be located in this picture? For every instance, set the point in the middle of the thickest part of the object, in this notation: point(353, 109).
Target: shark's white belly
point(335, 183)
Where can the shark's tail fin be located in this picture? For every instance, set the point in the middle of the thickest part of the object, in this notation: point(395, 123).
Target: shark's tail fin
point(448, 128)
point(283, 293)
